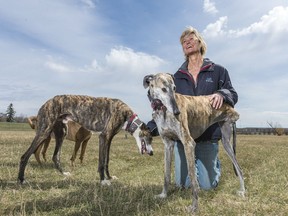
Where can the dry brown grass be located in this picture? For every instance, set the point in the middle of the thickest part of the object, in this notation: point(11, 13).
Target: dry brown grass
point(263, 160)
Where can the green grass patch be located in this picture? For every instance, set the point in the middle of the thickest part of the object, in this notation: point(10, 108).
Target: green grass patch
point(263, 160)
point(12, 126)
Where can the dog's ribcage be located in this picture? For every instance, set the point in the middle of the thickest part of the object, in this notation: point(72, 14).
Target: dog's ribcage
point(196, 112)
point(90, 112)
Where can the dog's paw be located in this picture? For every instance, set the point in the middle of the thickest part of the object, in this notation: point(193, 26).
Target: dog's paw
point(66, 173)
point(161, 196)
point(22, 182)
point(192, 208)
point(114, 177)
point(105, 182)
point(241, 193)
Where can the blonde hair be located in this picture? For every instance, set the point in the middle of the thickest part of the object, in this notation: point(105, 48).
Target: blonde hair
point(190, 30)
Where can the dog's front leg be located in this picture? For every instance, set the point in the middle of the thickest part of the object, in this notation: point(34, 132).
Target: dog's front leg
point(169, 145)
point(102, 158)
point(56, 155)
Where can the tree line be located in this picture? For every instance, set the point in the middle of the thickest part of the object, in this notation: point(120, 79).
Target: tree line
point(276, 129)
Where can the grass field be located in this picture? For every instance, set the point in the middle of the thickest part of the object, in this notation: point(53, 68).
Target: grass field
point(263, 160)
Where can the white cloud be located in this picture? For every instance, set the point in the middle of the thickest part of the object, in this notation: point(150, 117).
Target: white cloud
point(209, 7)
point(57, 67)
point(276, 21)
point(216, 29)
point(127, 60)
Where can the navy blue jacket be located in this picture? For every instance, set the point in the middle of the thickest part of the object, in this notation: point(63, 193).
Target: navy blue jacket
point(212, 78)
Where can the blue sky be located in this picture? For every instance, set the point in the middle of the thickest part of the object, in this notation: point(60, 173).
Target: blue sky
point(106, 47)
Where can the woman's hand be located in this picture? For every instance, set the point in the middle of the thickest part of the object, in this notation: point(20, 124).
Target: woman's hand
point(216, 100)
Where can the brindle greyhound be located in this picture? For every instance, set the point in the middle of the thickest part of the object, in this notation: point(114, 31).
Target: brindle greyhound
point(104, 115)
point(184, 118)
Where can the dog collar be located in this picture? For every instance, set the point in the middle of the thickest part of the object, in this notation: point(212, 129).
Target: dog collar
point(133, 123)
point(157, 104)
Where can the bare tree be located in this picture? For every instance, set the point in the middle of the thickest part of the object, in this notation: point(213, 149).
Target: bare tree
point(277, 128)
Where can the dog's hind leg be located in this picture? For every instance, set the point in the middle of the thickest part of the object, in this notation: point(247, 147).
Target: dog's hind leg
point(45, 147)
point(37, 153)
point(60, 133)
point(234, 143)
point(168, 150)
point(37, 141)
point(83, 148)
point(226, 134)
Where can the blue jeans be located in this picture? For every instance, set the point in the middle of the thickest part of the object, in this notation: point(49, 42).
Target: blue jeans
point(208, 169)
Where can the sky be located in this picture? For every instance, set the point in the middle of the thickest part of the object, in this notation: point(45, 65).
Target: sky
point(106, 47)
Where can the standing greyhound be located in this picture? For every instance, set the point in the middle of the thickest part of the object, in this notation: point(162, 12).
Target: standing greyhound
point(185, 118)
point(104, 115)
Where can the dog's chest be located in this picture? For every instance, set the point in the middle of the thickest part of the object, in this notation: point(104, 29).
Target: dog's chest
point(167, 124)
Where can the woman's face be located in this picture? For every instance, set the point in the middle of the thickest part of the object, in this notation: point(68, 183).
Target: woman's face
point(190, 44)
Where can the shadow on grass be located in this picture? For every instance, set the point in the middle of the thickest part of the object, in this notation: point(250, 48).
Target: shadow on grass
point(92, 199)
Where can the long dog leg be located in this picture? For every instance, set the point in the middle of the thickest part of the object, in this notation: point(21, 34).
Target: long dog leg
point(83, 148)
point(234, 144)
point(60, 133)
point(169, 146)
point(104, 149)
point(76, 148)
point(38, 152)
point(43, 147)
point(106, 167)
point(46, 145)
point(226, 133)
point(189, 148)
point(102, 158)
point(37, 141)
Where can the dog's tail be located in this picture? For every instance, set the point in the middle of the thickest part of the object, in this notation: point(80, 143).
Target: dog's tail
point(31, 121)
point(234, 143)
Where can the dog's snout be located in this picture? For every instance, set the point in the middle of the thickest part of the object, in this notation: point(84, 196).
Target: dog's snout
point(151, 153)
point(176, 112)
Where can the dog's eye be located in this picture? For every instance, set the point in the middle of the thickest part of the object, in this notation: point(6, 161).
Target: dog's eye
point(164, 90)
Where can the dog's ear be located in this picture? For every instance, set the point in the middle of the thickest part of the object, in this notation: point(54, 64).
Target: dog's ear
point(147, 80)
point(171, 76)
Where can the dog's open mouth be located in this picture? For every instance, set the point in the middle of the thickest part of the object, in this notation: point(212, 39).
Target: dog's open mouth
point(144, 149)
point(157, 104)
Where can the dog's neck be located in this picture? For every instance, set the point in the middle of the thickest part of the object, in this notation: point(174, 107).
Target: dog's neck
point(133, 123)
